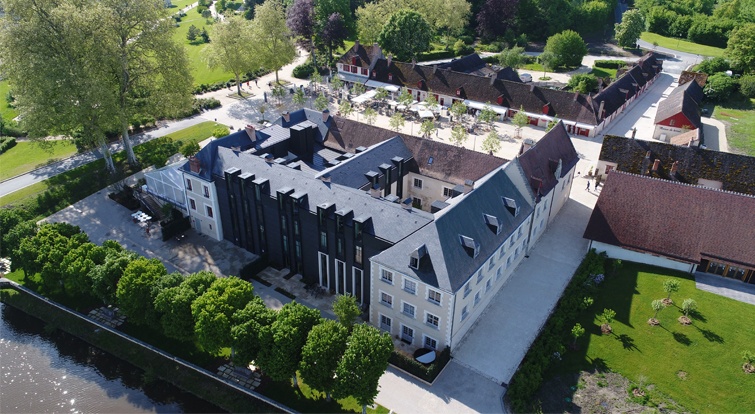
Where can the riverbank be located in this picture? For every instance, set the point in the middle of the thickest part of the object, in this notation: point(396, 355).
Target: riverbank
point(153, 363)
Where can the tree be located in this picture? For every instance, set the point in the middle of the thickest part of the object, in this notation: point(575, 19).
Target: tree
point(370, 116)
point(458, 110)
point(274, 46)
point(321, 102)
point(582, 83)
point(657, 306)
point(248, 325)
point(607, 317)
point(405, 98)
point(670, 286)
point(250, 8)
point(299, 99)
point(332, 34)
point(282, 342)
point(487, 114)
point(551, 124)
point(548, 60)
point(512, 58)
point(232, 48)
point(741, 48)
point(427, 129)
point(300, 19)
point(9, 219)
point(370, 20)
point(689, 305)
point(137, 290)
point(193, 33)
point(495, 17)
point(336, 84)
point(459, 135)
point(189, 148)
point(358, 89)
point(397, 121)
point(576, 332)
point(345, 108)
point(362, 365)
point(325, 8)
point(406, 35)
point(520, 120)
point(431, 101)
point(326, 344)
point(76, 266)
point(568, 47)
point(347, 310)
point(105, 277)
point(631, 27)
point(174, 305)
point(381, 94)
point(44, 252)
point(714, 65)
point(492, 142)
point(593, 15)
point(213, 311)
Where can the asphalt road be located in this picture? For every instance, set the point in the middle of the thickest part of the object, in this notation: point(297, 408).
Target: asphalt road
point(676, 61)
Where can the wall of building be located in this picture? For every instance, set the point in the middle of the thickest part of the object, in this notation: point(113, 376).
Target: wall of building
point(561, 193)
point(633, 256)
point(200, 217)
point(672, 127)
point(431, 190)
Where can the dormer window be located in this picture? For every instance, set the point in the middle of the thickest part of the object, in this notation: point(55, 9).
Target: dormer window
point(458, 92)
point(511, 206)
point(493, 223)
point(470, 246)
point(354, 60)
point(499, 100)
point(416, 256)
point(414, 262)
point(390, 76)
point(419, 84)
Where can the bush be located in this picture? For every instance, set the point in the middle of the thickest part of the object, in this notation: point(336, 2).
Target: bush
point(710, 31)
point(713, 65)
point(440, 54)
point(12, 130)
point(719, 86)
point(201, 9)
point(747, 85)
point(220, 131)
point(461, 49)
point(304, 71)
point(425, 372)
point(467, 40)
point(583, 83)
point(611, 64)
point(6, 143)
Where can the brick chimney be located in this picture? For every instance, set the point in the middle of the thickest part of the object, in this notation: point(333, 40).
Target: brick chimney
point(601, 109)
point(656, 164)
point(325, 115)
point(674, 168)
point(356, 45)
point(286, 116)
point(194, 164)
point(389, 59)
point(250, 131)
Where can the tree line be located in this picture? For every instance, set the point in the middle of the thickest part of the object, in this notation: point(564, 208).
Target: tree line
point(341, 358)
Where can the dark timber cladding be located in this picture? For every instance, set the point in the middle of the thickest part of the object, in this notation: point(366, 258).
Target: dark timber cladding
point(324, 231)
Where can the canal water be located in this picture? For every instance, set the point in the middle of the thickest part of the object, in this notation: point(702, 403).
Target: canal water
point(45, 372)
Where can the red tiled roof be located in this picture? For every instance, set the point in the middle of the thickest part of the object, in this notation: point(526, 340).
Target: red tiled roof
point(678, 221)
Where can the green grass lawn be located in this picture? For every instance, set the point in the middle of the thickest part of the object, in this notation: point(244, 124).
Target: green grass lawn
point(604, 72)
point(195, 52)
point(306, 400)
point(739, 117)
point(195, 133)
point(682, 45)
point(699, 366)
point(26, 156)
point(180, 4)
point(6, 112)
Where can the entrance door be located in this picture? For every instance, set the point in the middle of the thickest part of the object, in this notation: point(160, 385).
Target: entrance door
point(198, 225)
point(341, 287)
point(385, 323)
point(324, 270)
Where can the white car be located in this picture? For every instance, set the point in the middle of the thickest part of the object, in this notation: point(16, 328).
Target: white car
point(525, 77)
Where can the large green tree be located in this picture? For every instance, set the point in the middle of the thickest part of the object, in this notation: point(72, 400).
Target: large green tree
point(104, 277)
point(137, 289)
point(321, 354)
point(741, 48)
point(247, 332)
point(233, 48)
point(44, 252)
point(406, 35)
point(275, 46)
point(174, 305)
point(213, 311)
point(325, 8)
point(568, 47)
point(631, 27)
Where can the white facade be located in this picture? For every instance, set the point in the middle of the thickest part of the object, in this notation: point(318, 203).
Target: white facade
point(616, 252)
point(425, 189)
point(202, 203)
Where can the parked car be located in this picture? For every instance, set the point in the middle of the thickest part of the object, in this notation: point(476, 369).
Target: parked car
point(525, 77)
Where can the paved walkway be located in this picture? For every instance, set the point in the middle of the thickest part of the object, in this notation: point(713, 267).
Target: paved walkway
point(730, 288)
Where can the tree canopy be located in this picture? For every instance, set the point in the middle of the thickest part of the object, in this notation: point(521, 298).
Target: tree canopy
point(406, 35)
point(568, 47)
point(233, 48)
point(213, 311)
point(274, 45)
point(741, 48)
point(631, 27)
point(495, 17)
point(321, 354)
point(248, 325)
point(137, 290)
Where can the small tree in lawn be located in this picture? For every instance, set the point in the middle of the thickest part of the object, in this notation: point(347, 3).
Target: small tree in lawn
point(688, 306)
point(657, 306)
point(670, 286)
point(607, 317)
point(520, 120)
point(370, 115)
point(345, 108)
point(347, 310)
point(459, 135)
point(492, 142)
point(397, 121)
point(299, 99)
point(193, 33)
point(548, 60)
point(321, 102)
point(576, 332)
point(458, 110)
point(427, 128)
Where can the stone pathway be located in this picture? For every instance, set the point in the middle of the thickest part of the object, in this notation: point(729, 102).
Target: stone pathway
point(107, 316)
point(240, 375)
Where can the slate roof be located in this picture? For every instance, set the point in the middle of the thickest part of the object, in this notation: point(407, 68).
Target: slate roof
point(473, 64)
point(541, 161)
point(351, 172)
point(447, 264)
point(686, 137)
point(306, 116)
point(450, 163)
point(699, 77)
point(614, 95)
point(683, 99)
point(390, 221)
point(675, 220)
point(365, 54)
point(566, 105)
point(736, 172)
point(207, 155)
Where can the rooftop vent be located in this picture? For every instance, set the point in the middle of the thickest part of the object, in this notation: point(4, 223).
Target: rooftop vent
point(325, 178)
point(286, 116)
point(511, 206)
point(470, 246)
point(360, 149)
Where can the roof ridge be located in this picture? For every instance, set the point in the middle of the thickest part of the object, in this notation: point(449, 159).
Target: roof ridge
point(683, 184)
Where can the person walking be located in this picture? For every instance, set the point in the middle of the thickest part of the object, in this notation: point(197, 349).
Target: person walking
point(255, 83)
point(588, 186)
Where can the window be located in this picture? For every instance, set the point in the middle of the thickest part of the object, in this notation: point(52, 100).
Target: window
point(209, 211)
point(416, 202)
point(491, 263)
point(193, 204)
point(408, 309)
point(414, 262)
point(609, 168)
point(386, 299)
point(407, 334)
point(364, 71)
point(516, 252)
point(417, 183)
point(464, 313)
point(432, 320)
point(467, 290)
point(385, 323)
point(477, 297)
point(502, 252)
point(206, 191)
point(358, 254)
point(519, 233)
point(672, 122)
point(488, 285)
point(479, 276)
point(188, 184)
point(433, 296)
point(410, 286)
point(430, 343)
point(323, 240)
point(511, 243)
point(498, 274)
point(447, 192)
point(386, 276)
point(339, 246)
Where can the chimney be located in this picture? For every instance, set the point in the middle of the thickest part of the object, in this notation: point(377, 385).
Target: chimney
point(526, 145)
point(414, 62)
point(375, 191)
point(532, 87)
point(286, 116)
point(576, 96)
point(356, 44)
point(656, 164)
point(194, 164)
point(674, 168)
point(601, 110)
point(325, 115)
point(250, 131)
point(389, 59)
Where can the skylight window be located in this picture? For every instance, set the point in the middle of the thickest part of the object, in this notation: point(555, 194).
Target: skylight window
point(511, 206)
point(470, 245)
point(430, 161)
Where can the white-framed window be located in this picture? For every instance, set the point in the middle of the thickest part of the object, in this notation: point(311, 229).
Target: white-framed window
point(386, 276)
point(508, 262)
point(499, 273)
point(488, 285)
point(479, 276)
point(385, 323)
point(511, 242)
point(188, 184)
point(193, 204)
point(408, 309)
point(432, 320)
point(491, 263)
point(430, 343)
point(410, 286)
point(464, 312)
point(467, 289)
point(418, 183)
point(434, 296)
point(519, 232)
point(206, 191)
point(516, 252)
point(447, 192)
point(416, 202)
point(477, 297)
point(386, 299)
point(209, 211)
point(407, 334)
point(502, 252)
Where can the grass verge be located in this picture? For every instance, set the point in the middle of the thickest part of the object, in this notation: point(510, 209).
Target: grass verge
point(682, 45)
point(27, 156)
point(739, 118)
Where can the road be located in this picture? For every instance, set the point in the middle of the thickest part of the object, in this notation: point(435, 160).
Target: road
point(677, 61)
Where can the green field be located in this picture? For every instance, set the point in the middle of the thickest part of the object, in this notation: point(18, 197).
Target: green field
point(6, 112)
point(699, 366)
point(739, 118)
point(604, 72)
point(180, 4)
point(195, 52)
point(26, 156)
point(682, 45)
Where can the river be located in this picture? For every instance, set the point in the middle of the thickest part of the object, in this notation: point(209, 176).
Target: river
point(44, 372)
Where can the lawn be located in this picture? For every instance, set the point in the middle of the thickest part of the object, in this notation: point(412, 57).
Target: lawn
point(195, 133)
point(6, 112)
point(604, 72)
point(26, 156)
point(698, 366)
point(682, 45)
point(739, 117)
point(195, 51)
point(180, 4)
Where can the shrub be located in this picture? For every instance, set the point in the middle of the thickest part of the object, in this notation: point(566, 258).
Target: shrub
point(460, 48)
point(467, 40)
point(6, 144)
point(220, 131)
point(303, 71)
point(747, 85)
point(719, 86)
point(713, 65)
point(425, 372)
point(583, 83)
point(611, 64)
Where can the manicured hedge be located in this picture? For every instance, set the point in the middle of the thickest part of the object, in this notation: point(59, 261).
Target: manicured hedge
point(6, 143)
point(440, 54)
point(304, 71)
point(611, 64)
point(425, 372)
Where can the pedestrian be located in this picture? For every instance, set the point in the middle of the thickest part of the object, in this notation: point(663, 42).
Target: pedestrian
point(247, 84)
point(588, 186)
point(255, 83)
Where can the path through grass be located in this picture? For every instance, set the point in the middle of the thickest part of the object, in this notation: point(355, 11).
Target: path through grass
point(682, 45)
point(26, 156)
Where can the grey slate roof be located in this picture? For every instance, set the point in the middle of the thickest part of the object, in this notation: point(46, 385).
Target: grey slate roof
point(351, 172)
point(540, 162)
point(389, 220)
point(207, 155)
point(447, 264)
point(302, 116)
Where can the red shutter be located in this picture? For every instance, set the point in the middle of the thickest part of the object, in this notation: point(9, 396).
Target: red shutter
point(419, 84)
point(500, 100)
point(353, 60)
point(354, 69)
point(545, 109)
